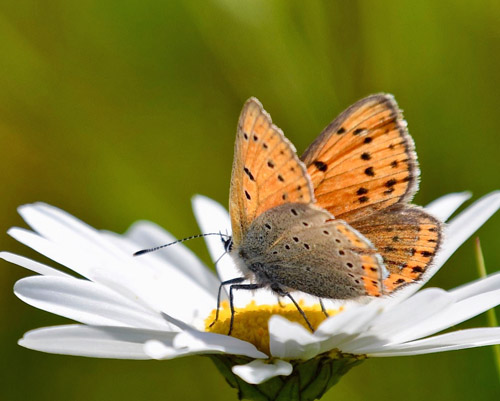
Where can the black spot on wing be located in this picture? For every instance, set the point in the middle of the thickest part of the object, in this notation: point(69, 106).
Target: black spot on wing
point(321, 166)
point(249, 174)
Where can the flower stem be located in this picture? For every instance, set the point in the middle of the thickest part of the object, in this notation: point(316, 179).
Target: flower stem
point(490, 314)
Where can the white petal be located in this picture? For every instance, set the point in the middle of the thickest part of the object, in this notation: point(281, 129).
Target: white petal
point(290, 340)
point(49, 249)
point(455, 234)
point(155, 349)
point(86, 302)
point(166, 290)
point(404, 316)
point(340, 330)
point(213, 218)
point(167, 286)
point(170, 292)
point(485, 284)
point(456, 340)
point(194, 342)
point(411, 311)
point(38, 214)
point(91, 341)
point(345, 320)
point(444, 207)
point(448, 317)
point(257, 372)
point(199, 340)
point(32, 265)
point(60, 227)
point(88, 261)
point(148, 235)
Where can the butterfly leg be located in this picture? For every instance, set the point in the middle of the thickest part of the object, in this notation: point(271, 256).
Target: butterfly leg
point(231, 298)
point(222, 284)
point(276, 288)
point(323, 309)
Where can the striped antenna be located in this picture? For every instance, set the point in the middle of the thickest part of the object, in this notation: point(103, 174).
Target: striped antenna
point(144, 251)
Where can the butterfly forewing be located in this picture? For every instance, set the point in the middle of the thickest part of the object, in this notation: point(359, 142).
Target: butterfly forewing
point(266, 171)
point(364, 160)
point(407, 237)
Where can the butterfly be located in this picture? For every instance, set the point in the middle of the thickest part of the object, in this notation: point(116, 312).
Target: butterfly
point(335, 223)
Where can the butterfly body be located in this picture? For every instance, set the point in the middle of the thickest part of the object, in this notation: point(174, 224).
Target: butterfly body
point(336, 222)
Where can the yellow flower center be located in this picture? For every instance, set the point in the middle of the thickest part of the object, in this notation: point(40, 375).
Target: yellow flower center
point(250, 322)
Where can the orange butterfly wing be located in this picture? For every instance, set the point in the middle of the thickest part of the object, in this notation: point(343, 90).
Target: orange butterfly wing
point(266, 170)
point(407, 237)
point(364, 160)
point(364, 170)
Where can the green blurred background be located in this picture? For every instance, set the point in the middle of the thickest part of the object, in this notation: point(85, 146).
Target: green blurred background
point(122, 110)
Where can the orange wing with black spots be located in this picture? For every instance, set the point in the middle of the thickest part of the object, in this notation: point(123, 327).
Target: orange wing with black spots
point(407, 237)
point(266, 170)
point(364, 160)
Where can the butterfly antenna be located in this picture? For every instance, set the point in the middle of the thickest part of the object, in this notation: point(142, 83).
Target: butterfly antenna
point(144, 251)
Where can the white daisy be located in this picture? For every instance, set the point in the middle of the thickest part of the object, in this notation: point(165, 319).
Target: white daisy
point(160, 305)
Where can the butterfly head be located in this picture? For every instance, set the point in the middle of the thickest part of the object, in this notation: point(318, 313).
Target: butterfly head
point(227, 242)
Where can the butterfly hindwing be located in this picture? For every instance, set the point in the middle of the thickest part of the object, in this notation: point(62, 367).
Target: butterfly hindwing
point(302, 247)
point(364, 160)
point(407, 237)
point(266, 170)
